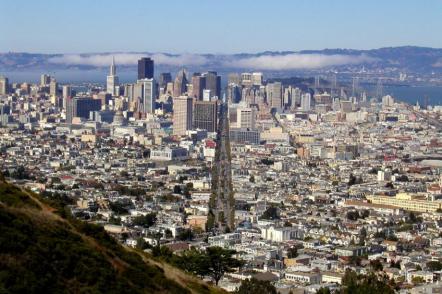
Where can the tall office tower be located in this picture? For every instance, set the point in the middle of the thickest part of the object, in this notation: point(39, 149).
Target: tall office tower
point(104, 97)
point(198, 85)
point(334, 82)
point(234, 78)
point(207, 94)
point(296, 96)
point(274, 95)
point(355, 87)
point(112, 80)
point(205, 115)
point(233, 93)
point(306, 101)
point(145, 90)
point(4, 85)
point(182, 115)
point(246, 79)
point(145, 68)
point(45, 80)
point(81, 107)
point(129, 91)
point(387, 101)
point(317, 81)
point(213, 83)
point(165, 77)
point(246, 117)
point(67, 93)
point(288, 97)
point(257, 78)
point(180, 84)
point(379, 89)
point(53, 87)
point(221, 216)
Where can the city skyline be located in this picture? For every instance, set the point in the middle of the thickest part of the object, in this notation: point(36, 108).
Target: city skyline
point(300, 25)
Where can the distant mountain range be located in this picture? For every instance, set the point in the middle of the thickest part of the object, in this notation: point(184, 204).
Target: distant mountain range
point(409, 59)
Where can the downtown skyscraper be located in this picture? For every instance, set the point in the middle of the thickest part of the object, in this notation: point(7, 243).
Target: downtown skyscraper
point(112, 79)
point(182, 115)
point(145, 68)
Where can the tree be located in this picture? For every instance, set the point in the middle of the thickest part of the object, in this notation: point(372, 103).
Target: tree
point(254, 286)
point(292, 252)
point(376, 265)
point(220, 261)
point(118, 208)
point(192, 261)
point(252, 179)
point(185, 235)
point(389, 185)
point(271, 213)
point(434, 265)
point(352, 215)
point(146, 221)
point(362, 236)
point(323, 290)
point(417, 280)
point(267, 161)
point(352, 283)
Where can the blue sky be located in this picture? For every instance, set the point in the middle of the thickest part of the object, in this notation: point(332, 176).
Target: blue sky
point(221, 26)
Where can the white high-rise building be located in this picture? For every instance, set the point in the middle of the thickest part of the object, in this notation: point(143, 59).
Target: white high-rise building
point(67, 93)
point(207, 95)
point(306, 100)
point(182, 115)
point(145, 90)
point(245, 117)
point(257, 78)
point(387, 101)
point(45, 80)
point(112, 80)
point(274, 95)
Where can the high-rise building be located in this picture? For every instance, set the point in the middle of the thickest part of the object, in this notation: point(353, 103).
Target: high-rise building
point(233, 93)
point(274, 95)
point(246, 79)
point(234, 78)
point(207, 94)
point(387, 101)
point(45, 80)
point(165, 78)
point(145, 68)
point(306, 100)
point(145, 90)
point(198, 85)
point(67, 93)
point(81, 107)
point(257, 78)
point(112, 80)
point(182, 115)
point(205, 115)
point(245, 117)
point(53, 87)
point(4, 85)
point(213, 83)
point(180, 84)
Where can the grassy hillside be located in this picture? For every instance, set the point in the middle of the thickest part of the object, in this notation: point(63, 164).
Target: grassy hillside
point(43, 252)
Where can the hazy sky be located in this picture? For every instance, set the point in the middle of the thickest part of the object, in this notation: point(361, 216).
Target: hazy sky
point(221, 26)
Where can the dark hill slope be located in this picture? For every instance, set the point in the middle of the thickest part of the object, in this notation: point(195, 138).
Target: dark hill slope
point(42, 252)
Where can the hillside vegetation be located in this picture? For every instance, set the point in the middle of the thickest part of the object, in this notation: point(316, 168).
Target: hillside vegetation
point(44, 251)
